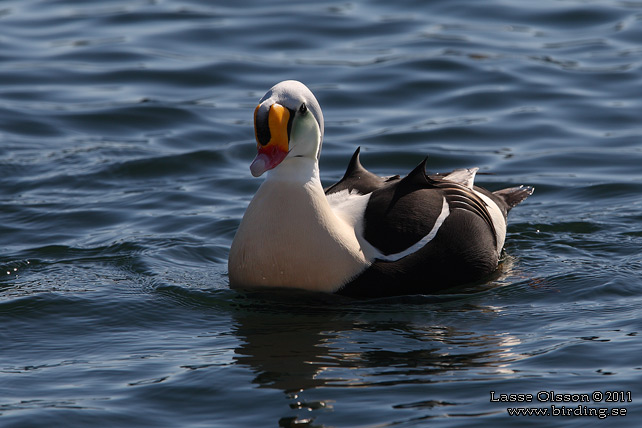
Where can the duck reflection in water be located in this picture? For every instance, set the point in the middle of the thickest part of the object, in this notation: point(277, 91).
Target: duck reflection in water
point(296, 343)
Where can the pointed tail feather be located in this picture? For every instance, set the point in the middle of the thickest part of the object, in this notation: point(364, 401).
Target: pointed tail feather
point(514, 195)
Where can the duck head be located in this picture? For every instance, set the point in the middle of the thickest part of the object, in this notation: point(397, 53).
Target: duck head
point(288, 123)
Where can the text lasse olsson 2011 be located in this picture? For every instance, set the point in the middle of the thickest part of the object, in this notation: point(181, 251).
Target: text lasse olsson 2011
point(566, 398)
point(552, 396)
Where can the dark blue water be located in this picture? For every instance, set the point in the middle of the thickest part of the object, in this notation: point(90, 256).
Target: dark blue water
point(125, 140)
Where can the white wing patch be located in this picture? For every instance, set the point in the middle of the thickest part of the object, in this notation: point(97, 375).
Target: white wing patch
point(499, 223)
point(465, 177)
point(349, 206)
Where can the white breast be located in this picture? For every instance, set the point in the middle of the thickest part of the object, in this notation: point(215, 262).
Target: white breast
point(290, 237)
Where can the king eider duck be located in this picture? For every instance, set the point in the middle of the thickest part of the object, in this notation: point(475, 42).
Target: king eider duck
point(365, 236)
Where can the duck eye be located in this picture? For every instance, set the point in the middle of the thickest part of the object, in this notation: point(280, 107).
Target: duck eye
point(303, 109)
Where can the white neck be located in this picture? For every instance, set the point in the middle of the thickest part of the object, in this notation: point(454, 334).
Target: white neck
point(295, 170)
point(289, 236)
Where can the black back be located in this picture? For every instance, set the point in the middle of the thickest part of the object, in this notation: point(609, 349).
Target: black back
point(400, 212)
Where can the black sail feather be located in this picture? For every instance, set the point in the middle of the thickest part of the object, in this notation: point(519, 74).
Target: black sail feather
point(357, 178)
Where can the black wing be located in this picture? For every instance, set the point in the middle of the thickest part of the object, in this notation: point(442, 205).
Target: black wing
point(404, 212)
